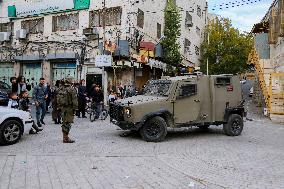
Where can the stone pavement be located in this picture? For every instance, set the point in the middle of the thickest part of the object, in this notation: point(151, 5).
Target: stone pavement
point(188, 158)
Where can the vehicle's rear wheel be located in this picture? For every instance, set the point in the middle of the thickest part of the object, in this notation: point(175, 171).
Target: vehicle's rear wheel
point(10, 132)
point(234, 126)
point(154, 130)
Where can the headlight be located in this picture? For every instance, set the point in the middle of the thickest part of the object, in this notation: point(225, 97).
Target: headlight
point(127, 112)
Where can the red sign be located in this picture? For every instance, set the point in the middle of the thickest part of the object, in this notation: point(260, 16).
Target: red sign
point(230, 88)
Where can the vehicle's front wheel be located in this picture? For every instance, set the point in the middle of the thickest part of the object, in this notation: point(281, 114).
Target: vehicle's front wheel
point(10, 132)
point(154, 130)
point(234, 126)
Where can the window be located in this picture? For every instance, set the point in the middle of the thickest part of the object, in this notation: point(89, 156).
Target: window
point(66, 22)
point(187, 44)
point(112, 17)
point(197, 30)
point(223, 81)
point(6, 27)
point(198, 11)
point(159, 31)
point(33, 26)
point(188, 19)
point(188, 90)
point(140, 18)
point(197, 51)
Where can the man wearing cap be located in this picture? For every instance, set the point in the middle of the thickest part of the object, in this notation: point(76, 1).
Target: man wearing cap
point(67, 103)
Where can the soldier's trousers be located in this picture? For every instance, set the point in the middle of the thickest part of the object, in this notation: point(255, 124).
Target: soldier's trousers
point(67, 119)
point(66, 127)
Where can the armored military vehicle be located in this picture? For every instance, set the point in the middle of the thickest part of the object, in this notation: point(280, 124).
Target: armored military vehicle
point(182, 101)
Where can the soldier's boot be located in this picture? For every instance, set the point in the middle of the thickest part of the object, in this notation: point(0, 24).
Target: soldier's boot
point(66, 138)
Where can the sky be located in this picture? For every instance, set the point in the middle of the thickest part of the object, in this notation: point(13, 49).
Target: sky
point(244, 16)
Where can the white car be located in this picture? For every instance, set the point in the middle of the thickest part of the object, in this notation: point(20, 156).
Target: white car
point(13, 124)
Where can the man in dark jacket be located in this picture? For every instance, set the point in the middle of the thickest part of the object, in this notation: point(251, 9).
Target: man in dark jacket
point(98, 98)
point(40, 96)
point(82, 94)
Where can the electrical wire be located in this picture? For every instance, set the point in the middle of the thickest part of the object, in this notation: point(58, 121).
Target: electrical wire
point(232, 4)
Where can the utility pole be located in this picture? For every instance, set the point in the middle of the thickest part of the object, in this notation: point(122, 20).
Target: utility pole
point(207, 25)
point(104, 76)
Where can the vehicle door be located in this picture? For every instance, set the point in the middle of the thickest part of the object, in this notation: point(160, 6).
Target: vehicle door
point(187, 102)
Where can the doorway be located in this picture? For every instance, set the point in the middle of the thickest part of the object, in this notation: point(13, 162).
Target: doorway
point(93, 79)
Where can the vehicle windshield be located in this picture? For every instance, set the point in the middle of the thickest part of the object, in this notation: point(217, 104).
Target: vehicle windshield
point(157, 88)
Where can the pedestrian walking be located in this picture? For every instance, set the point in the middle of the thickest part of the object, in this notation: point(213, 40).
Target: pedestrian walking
point(56, 114)
point(24, 105)
point(82, 102)
point(68, 104)
point(39, 97)
point(98, 98)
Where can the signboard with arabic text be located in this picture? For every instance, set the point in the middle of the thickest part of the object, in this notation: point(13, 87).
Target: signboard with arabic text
point(43, 7)
point(103, 61)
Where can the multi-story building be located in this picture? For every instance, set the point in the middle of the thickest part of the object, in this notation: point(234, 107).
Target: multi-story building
point(268, 58)
point(52, 39)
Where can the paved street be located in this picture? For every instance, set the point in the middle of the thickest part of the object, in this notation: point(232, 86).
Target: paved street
point(101, 158)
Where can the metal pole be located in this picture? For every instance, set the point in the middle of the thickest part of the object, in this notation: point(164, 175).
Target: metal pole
point(104, 79)
point(207, 62)
point(207, 24)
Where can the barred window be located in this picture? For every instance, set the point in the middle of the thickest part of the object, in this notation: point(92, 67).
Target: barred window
point(140, 18)
point(7, 27)
point(33, 26)
point(198, 11)
point(112, 17)
point(66, 22)
point(187, 44)
point(197, 51)
point(188, 90)
point(159, 31)
point(197, 30)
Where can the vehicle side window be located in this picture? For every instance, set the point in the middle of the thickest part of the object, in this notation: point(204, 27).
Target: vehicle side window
point(187, 90)
point(223, 81)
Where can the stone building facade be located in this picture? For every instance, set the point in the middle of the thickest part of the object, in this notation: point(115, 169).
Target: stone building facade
point(53, 39)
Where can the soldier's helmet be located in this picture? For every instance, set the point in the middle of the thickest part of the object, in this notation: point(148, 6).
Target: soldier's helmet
point(68, 80)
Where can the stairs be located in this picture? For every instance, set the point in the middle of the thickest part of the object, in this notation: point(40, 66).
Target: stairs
point(271, 85)
point(254, 60)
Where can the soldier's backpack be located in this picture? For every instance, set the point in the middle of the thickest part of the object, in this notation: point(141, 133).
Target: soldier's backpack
point(62, 97)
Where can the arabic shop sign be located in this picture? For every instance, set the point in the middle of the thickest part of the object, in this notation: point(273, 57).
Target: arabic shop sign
point(43, 7)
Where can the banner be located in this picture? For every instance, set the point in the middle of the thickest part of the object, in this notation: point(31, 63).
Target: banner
point(45, 6)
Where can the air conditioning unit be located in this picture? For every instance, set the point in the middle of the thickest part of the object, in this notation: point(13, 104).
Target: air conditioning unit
point(90, 31)
point(5, 36)
point(188, 23)
point(21, 34)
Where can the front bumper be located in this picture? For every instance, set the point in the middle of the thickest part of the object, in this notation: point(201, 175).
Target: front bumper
point(28, 124)
point(124, 125)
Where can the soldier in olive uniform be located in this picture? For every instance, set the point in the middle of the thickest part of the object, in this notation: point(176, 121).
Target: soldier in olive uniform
point(67, 103)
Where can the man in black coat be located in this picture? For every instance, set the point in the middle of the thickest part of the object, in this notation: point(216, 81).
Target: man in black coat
point(98, 98)
point(82, 94)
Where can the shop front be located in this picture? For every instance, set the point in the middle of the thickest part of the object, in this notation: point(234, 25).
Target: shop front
point(6, 72)
point(32, 72)
point(61, 70)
